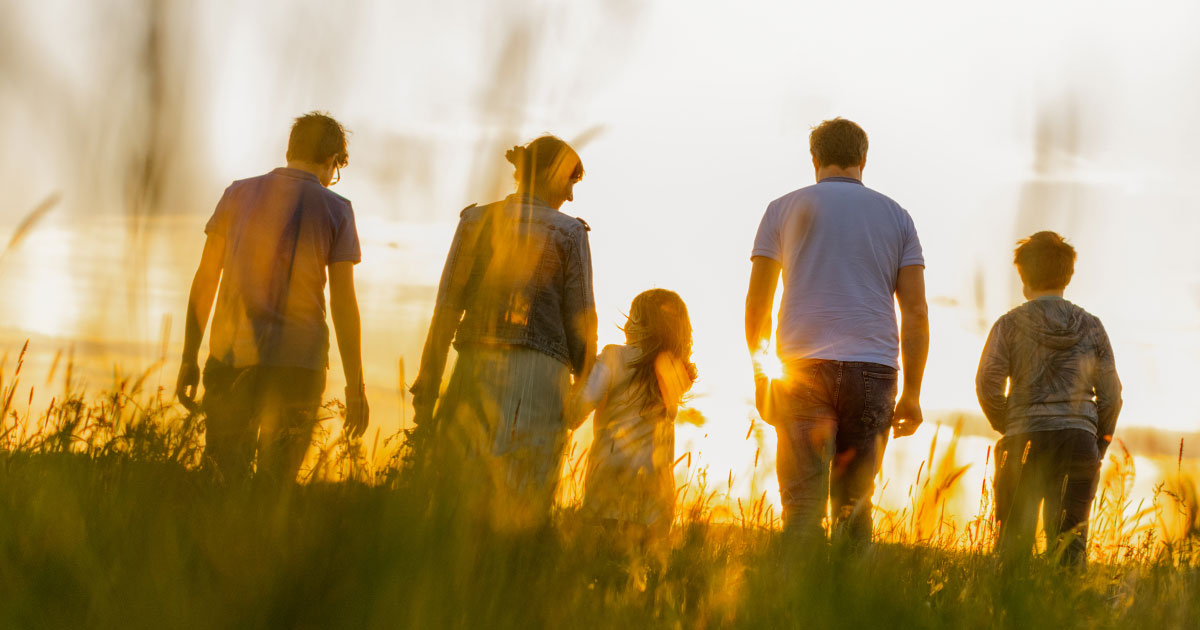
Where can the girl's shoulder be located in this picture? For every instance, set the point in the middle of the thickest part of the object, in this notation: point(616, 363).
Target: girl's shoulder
point(617, 359)
point(618, 354)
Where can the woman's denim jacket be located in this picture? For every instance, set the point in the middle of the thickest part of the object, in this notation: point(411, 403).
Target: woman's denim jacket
point(519, 273)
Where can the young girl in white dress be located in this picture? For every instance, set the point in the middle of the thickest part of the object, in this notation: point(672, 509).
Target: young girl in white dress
point(636, 390)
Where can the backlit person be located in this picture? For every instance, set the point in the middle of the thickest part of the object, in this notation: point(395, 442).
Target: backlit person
point(272, 241)
point(516, 298)
point(636, 390)
point(1048, 382)
point(848, 254)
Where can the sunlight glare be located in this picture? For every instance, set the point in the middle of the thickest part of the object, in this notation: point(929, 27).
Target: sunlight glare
point(767, 362)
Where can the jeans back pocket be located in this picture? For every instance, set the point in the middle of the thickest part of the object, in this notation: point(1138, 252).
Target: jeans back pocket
point(879, 398)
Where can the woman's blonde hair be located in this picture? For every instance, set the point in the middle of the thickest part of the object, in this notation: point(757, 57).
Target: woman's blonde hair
point(543, 161)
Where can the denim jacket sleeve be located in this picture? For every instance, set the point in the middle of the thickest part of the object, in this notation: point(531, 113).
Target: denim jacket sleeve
point(579, 305)
point(447, 312)
point(992, 376)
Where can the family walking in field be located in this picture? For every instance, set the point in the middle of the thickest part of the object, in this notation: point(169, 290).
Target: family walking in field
point(516, 300)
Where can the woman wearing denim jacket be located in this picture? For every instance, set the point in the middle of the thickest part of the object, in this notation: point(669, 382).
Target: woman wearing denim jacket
point(516, 297)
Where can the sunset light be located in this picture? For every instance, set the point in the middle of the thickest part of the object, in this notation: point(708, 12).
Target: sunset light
point(437, 314)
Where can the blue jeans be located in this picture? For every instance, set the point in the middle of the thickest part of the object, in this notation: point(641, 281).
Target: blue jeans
point(832, 420)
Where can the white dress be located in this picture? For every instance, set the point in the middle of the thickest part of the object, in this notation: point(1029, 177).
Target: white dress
point(630, 474)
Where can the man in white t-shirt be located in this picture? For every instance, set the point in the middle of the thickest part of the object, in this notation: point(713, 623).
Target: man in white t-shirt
point(848, 254)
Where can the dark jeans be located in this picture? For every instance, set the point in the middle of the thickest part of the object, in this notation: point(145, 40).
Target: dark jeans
point(832, 419)
point(1057, 469)
point(273, 408)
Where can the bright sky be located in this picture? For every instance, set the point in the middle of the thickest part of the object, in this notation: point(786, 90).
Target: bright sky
point(987, 124)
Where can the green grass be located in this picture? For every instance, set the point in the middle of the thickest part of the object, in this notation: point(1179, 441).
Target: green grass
point(106, 520)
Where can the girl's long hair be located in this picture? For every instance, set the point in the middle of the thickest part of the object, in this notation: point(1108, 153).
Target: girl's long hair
point(658, 322)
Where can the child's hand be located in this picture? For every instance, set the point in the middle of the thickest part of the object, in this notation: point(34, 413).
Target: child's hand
point(573, 407)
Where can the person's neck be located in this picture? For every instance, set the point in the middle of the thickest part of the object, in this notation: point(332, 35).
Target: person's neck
point(1033, 294)
point(524, 192)
point(853, 172)
point(308, 167)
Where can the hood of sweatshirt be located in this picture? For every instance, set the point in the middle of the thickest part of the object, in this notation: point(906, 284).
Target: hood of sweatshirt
point(1051, 322)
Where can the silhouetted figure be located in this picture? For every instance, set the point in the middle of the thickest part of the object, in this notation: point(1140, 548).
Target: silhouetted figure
point(270, 242)
point(516, 297)
point(636, 390)
point(846, 253)
point(1060, 410)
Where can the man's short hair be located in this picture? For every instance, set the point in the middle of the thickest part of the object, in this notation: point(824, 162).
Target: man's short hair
point(838, 142)
point(315, 137)
point(1045, 261)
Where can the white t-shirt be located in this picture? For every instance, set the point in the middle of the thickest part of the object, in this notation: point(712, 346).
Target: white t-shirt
point(841, 246)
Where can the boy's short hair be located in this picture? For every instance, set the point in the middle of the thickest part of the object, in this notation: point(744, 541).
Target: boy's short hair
point(1045, 261)
point(315, 137)
point(838, 142)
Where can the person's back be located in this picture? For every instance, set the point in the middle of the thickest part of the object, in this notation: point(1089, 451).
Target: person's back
point(281, 231)
point(531, 267)
point(516, 299)
point(270, 244)
point(636, 390)
point(840, 245)
point(1055, 353)
point(1048, 382)
point(847, 255)
point(629, 476)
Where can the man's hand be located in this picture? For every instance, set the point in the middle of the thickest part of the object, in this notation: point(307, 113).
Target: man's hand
point(187, 384)
point(358, 413)
point(907, 417)
point(914, 347)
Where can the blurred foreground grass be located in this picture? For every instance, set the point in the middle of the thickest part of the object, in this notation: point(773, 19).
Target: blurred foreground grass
point(107, 520)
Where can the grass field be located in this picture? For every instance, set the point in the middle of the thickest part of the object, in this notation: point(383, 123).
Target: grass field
point(107, 520)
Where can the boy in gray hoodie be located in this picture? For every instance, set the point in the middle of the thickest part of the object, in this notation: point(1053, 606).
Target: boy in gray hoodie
point(1060, 409)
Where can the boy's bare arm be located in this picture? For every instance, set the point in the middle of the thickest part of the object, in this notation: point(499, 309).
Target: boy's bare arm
point(200, 301)
point(343, 306)
point(914, 347)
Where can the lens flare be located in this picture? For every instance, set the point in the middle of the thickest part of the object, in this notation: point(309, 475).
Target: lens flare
point(767, 363)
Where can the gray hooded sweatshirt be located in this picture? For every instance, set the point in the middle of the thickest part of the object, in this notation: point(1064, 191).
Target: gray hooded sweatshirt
point(1060, 370)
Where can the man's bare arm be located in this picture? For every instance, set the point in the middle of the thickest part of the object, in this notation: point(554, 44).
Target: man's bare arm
point(343, 306)
point(764, 277)
point(914, 347)
point(200, 301)
point(760, 297)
